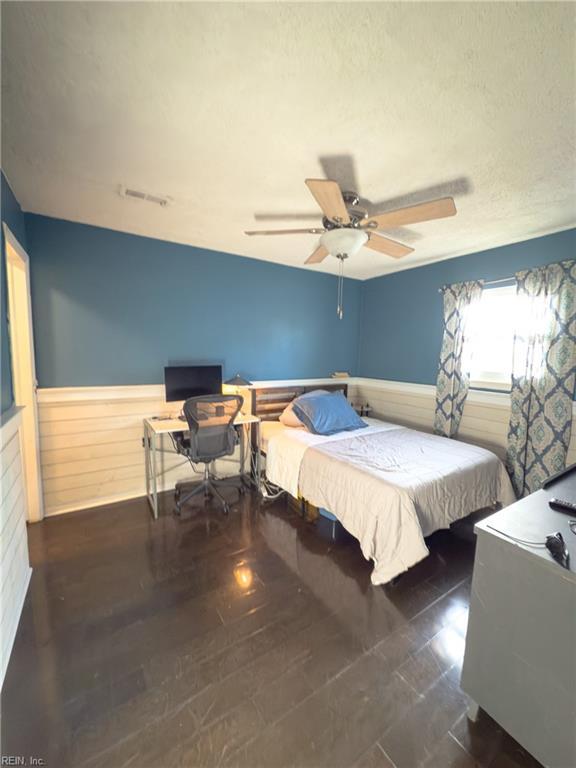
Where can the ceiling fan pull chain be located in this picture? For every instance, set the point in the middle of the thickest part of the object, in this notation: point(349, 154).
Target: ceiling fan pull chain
point(340, 308)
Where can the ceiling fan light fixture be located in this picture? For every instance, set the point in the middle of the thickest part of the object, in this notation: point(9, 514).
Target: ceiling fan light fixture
point(344, 241)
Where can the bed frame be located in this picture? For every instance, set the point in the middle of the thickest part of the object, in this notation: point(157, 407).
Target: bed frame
point(269, 402)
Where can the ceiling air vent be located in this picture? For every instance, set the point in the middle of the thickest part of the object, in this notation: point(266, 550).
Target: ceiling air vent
point(137, 194)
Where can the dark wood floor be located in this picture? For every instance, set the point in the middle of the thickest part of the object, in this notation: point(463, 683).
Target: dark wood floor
point(240, 641)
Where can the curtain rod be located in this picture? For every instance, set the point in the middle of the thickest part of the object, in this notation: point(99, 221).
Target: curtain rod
point(485, 282)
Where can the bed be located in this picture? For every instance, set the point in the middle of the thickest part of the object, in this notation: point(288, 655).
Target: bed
point(388, 485)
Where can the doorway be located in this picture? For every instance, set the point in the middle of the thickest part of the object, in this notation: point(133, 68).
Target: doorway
point(24, 368)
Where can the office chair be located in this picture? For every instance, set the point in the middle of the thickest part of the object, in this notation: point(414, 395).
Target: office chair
point(212, 435)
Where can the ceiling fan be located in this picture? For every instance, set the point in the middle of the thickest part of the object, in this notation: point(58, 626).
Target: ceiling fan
point(346, 227)
point(341, 212)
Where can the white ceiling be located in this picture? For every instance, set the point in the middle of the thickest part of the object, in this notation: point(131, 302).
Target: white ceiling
point(227, 107)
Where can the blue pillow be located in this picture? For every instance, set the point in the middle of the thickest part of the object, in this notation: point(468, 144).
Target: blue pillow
point(326, 413)
point(313, 393)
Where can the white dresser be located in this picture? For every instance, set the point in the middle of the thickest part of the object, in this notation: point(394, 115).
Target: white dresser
point(520, 659)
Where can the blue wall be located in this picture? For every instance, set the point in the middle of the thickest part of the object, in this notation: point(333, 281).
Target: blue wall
point(11, 214)
point(401, 324)
point(112, 308)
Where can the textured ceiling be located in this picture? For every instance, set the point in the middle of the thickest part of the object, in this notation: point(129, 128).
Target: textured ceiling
point(227, 108)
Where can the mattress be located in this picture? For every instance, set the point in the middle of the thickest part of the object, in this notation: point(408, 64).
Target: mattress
point(389, 486)
point(269, 429)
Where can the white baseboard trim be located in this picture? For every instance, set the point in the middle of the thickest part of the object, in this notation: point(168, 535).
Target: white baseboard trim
point(14, 630)
point(101, 502)
point(106, 500)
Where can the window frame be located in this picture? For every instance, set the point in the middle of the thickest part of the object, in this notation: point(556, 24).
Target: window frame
point(494, 380)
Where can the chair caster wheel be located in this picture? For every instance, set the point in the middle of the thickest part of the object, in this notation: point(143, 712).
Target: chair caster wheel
point(242, 490)
point(226, 509)
point(177, 510)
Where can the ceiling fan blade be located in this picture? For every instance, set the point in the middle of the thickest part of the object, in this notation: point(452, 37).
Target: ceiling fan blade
point(387, 246)
point(329, 197)
point(319, 255)
point(436, 209)
point(315, 231)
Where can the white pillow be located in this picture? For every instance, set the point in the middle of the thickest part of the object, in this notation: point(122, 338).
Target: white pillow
point(289, 418)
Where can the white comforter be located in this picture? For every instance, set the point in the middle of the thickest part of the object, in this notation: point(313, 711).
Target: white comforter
point(389, 486)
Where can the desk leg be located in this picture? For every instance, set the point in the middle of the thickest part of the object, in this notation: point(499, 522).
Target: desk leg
point(150, 455)
point(246, 477)
point(242, 452)
point(258, 457)
point(147, 459)
point(154, 476)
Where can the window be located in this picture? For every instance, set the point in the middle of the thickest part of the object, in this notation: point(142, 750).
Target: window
point(490, 338)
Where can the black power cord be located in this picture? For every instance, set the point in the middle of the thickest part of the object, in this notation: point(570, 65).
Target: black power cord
point(554, 544)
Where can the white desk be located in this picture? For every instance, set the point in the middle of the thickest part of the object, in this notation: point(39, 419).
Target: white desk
point(154, 428)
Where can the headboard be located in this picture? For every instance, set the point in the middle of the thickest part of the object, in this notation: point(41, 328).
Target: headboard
point(269, 402)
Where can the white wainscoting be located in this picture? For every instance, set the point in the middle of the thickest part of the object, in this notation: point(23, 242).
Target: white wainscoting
point(15, 568)
point(91, 448)
point(91, 443)
point(91, 437)
point(484, 421)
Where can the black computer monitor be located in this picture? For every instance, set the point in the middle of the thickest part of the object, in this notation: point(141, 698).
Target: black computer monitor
point(184, 381)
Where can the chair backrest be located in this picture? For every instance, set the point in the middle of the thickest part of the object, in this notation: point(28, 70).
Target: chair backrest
point(210, 420)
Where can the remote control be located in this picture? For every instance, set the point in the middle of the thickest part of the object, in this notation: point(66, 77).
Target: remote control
point(562, 506)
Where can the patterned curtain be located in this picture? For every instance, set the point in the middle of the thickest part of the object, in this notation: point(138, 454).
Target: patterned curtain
point(452, 383)
point(543, 375)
